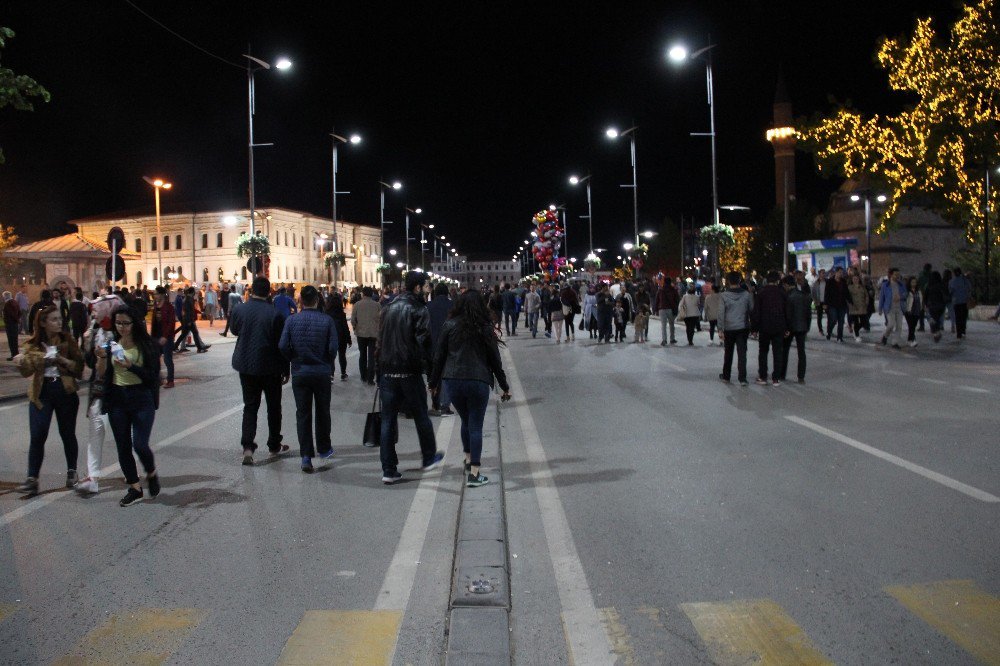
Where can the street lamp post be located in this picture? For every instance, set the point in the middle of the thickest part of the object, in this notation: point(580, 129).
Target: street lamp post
point(679, 54)
point(867, 197)
point(415, 211)
point(282, 64)
point(382, 185)
point(158, 184)
point(573, 180)
point(337, 139)
point(612, 133)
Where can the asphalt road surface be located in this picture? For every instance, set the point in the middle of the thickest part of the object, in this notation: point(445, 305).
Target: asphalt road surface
point(655, 515)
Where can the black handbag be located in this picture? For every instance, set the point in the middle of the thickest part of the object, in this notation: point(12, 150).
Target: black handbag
point(372, 436)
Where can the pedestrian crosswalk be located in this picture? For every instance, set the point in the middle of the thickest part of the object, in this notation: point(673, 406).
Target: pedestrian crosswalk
point(746, 631)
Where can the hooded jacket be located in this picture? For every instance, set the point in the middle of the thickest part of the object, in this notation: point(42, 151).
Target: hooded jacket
point(735, 306)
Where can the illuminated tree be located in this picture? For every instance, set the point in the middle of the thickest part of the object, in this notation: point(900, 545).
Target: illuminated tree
point(17, 89)
point(936, 152)
point(7, 239)
point(736, 257)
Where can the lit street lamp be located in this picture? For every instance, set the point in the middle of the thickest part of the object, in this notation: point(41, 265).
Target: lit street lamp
point(415, 211)
point(867, 197)
point(254, 64)
point(383, 186)
point(158, 184)
point(613, 133)
point(337, 139)
point(574, 180)
point(679, 54)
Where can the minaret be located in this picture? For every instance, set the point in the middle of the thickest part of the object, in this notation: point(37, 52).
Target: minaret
point(782, 138)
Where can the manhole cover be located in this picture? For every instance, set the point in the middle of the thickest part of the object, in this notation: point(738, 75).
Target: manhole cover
point(480, 587)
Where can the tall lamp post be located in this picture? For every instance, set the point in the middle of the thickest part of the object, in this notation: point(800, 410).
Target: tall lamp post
point(158, 184)
point(613, 133)
point(679, 54)
point(415, 211)
point(253, 65)
point(574, 180)
point(382, 187)
point(867, 197)
point(337, 139)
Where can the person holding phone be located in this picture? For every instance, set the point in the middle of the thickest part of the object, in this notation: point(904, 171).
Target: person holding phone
point(466, 361)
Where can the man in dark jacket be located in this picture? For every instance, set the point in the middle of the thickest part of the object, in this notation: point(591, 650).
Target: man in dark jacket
point(667, 301)
point(510, 312)
point(403, 355)
point(189, 324)
point(78, 316)
point(44, 301)
point(799, 319)
point(835, 300)
point(438, 309)
point(770, 322)
point(261, 366)
point(310, 343)
point(163, 331)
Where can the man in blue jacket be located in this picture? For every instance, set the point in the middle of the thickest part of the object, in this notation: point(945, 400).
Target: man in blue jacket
point(309, 342)
point(262, 369)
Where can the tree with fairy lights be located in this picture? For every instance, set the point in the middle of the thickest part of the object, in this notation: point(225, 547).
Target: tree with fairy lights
point(937, 152)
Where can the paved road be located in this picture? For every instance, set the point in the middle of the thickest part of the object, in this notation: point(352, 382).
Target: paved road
point(655, 515)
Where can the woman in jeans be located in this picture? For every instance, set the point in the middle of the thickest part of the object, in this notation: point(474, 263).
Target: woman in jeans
point(571, 307)
point(130, 366)
point(54, 362)
point(335, 308)
point(467, 359)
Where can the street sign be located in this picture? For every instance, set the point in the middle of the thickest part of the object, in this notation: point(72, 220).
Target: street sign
point(116, 240)
point(119, 266)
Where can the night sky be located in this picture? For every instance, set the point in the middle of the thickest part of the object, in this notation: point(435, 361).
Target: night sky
point(482, 110)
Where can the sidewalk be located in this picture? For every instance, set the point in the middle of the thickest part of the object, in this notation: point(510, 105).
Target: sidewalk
point(14, 387)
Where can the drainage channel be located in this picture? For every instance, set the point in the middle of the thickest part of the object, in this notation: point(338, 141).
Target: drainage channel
point(478, 616)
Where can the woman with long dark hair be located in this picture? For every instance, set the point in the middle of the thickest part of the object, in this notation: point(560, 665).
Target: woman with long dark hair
point(335, 309)
point(132, 386)
point(54, 362)
point(466, 360)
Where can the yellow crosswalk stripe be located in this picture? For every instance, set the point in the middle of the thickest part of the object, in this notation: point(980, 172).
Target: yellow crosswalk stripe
point(751, 631)
point(959, 610)
point(621, 642)
point(342, 637)
point(147, 636)
point(5, 610)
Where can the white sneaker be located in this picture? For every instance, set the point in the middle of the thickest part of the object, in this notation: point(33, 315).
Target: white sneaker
point(87, 487)
point(913, 343)
point(857, 339)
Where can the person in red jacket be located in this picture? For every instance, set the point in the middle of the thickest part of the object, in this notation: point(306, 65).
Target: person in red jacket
point(163, 331)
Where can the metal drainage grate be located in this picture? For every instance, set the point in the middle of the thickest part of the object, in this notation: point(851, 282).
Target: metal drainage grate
point(480, 587)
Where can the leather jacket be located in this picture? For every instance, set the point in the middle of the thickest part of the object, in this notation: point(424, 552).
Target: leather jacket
point(455, 358)
point(404, 339)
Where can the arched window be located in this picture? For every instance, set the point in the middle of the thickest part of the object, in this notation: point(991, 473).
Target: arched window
point(295, 241)
point(221, 274)
point(166, 244)
point(155, 276)
point(124, 278)
point(286, 239)
point(152, 243)
point(178, 247)
point(302, 242)
point(243, 272)
point(295, 269)
point(138, 245)
point(218, 239)
point(204, 241)
point(204, 274)
point(138, 278)
point(167, 271)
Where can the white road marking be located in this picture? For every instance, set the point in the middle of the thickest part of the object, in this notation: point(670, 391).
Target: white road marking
point(895, 373)
point(4, 409)
point(896, 460)
point(933, 381)
point(672, 366)
point(44, 500)
point(398, 582)
point(587, 639)
point(973, 389)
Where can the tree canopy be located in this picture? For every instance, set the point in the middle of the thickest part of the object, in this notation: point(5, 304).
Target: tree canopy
point(935, 152)
point(17, 90)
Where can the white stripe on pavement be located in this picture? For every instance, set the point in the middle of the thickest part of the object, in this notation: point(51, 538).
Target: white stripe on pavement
point(933, 381)
point(4, 409)
point(398, 583)
point(896, 460)
point(44, 500)
point(586, 638)
point(973, 389)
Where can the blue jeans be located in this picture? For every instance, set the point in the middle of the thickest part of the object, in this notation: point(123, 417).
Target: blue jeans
point(470, 398)
point(397, 393)
point(532, 318)
point(308, 389)
point(130, 414)
point(64, 405)
point(167, 351)
point(835, 316)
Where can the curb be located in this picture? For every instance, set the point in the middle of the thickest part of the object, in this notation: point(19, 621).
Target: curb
point(478, 616)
